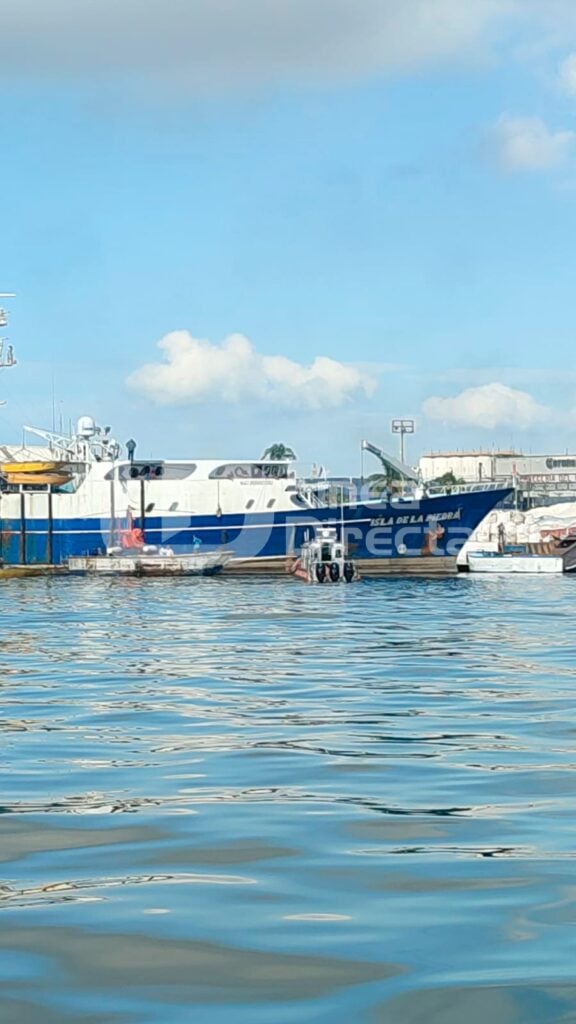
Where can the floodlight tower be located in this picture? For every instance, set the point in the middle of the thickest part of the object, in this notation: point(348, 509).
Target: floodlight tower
point(402, 427)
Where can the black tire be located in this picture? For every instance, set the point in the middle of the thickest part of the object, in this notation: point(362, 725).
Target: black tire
point(348, 572)
point(334, 572)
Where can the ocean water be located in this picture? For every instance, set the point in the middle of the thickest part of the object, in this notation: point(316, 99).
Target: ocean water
point(256, 801)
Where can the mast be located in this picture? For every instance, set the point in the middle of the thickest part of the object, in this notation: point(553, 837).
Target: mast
point(7, 357)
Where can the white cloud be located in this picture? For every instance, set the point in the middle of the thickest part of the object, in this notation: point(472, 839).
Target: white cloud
point(215, 43)
point(194, 370)
point(489, 406)
point(527, 144)
point(567, 75)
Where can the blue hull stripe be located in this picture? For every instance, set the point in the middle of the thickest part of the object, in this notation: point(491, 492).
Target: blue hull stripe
point(434, 525)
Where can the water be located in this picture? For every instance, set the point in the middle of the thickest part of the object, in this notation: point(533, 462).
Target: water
point(265, 802)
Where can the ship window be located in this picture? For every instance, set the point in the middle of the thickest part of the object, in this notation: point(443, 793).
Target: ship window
point(271, 503)
point(149, 507)
point(153, 471)
point(173, 506)
point(146, 471)
point(250, 503)
point(250, 471)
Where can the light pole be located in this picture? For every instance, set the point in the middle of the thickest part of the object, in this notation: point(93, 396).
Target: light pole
point(403, 427)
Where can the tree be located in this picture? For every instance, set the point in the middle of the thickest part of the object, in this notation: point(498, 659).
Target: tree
point(279, 453)
point(447, 480)
point(380, 484)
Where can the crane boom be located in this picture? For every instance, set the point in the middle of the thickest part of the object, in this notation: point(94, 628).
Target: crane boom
point(390, 463)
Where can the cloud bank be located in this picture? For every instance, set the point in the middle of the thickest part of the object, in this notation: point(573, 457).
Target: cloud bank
point(489, 406)
point(195, 370)
point(215, 43)
point(527, 144)
point(193, 45)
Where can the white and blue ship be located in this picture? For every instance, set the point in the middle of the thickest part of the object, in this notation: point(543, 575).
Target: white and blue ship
point(79, 495)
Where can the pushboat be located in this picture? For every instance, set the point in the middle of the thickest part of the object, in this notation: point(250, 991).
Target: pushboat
point(323, 559)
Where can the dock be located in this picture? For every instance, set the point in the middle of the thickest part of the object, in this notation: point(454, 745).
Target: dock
point(16, 572)
point(179, 566)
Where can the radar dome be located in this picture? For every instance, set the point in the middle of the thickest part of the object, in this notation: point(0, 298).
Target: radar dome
point(86, 427)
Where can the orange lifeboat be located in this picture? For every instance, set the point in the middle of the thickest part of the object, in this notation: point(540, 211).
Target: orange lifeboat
point(38, 479)
point(36, 474)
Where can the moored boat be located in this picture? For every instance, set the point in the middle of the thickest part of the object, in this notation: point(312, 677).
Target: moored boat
point(552, 556)
point(148, 564)
point(538, 541)
point(497, 562)
point(323, 559)
point(259, 512)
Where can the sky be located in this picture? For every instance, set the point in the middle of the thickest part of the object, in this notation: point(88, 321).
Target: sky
point(235, 222)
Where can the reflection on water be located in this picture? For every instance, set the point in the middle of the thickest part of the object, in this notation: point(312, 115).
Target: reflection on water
point(254, 801)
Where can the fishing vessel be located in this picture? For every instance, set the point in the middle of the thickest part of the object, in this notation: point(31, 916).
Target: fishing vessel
point(81, 491)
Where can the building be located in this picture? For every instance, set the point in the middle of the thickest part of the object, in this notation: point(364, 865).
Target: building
point(538, 479)
point(472, 467)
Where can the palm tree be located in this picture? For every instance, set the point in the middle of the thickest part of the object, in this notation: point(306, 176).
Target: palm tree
point(279, 453)
point(447, 481)
point(381, 484)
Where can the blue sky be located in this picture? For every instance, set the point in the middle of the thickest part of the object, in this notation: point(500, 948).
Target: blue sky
point(383, 203)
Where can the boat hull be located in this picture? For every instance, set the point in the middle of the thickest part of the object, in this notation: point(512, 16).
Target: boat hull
point(417, 537)
point(147, 565)
point(527, 564)
point(49, 479)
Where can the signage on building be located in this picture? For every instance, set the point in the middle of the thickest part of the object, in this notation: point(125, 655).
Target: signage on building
point(567, 463)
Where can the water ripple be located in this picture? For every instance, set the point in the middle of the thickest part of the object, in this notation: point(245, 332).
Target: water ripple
point(257, 801)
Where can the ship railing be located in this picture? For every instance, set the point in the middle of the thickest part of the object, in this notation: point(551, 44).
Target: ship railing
point(482, 485)
point(307, 493)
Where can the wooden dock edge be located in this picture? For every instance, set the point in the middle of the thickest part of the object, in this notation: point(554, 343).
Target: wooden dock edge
point(369, 568)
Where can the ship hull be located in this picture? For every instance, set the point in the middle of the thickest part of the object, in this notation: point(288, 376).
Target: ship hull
point(401, 537)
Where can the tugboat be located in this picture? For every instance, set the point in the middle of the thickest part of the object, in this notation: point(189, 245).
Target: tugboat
point(323, 559)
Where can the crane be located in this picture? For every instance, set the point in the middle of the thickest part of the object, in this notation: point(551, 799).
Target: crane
point(392, 466)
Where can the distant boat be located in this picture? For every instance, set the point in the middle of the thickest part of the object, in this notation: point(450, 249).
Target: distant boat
point(550, 557)
point(494, 562)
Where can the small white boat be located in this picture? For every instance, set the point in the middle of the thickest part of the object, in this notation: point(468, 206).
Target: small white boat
point(149, 564)
point(324, 560)
point(495, 562)
point(549, 556)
